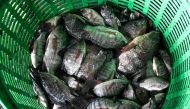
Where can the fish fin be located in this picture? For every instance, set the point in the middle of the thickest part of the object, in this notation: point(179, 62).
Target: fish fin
point(79, 103)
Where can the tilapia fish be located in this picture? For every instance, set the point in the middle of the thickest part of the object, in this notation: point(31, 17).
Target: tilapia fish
point(103, 103)
point(154, 84)
point(73, 57)
point(92, 62)
point(109, 16)
point(38, 89)
point(134, 28)
point(92, 16)
point(74, 25)
point(105, 37)
point(100, 35)
point(57, 89)
point(110, 88)
point(137, 52)
point(38, 50)
point(57, 41)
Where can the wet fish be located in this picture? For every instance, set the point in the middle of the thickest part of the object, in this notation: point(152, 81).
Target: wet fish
point(92, 62)
point(129, 93)
point(104, 37)
point(150, 105)
point(134, 28)
point(127, 104)
point(154, 84)
point(100, 35)
point(38, 88)
point(130, 62)
point(38, 50)
point(73, 58)
point(103, 103)
point(109, 17)
point(137, 52)
point(107, 71)
point(166, 58)
point(56, 89)
point(93, 17)
point(75, 25)
point(110, 88)
point(159, 68)
point(56, 42)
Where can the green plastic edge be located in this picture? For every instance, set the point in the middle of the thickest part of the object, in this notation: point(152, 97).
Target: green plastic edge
point(160, 13)
point(173, 22)
point(146, 7)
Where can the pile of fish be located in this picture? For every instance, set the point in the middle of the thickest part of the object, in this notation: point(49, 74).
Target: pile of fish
point(99, 58)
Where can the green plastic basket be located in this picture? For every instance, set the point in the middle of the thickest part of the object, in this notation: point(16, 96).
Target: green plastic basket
point(20, 18)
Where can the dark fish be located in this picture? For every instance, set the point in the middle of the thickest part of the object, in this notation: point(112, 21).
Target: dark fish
point(92, 62)
point(107, 71)
point(93, 17)
point(150, 105)
point(57, 89)
point(160, 68)
point(73, 57)
point(109, 17)
point(154, 84)
point(38, 88)
point(129, 93)
point(56, 42)
point(110, 88)
point(105, 37)
point(142, 95)
point(134, 28)
point(138, 52)
point(100, 35)
point(38, 50)
point(127, 104)
point(167, 60)
point(103, 103)
point(75, 25)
